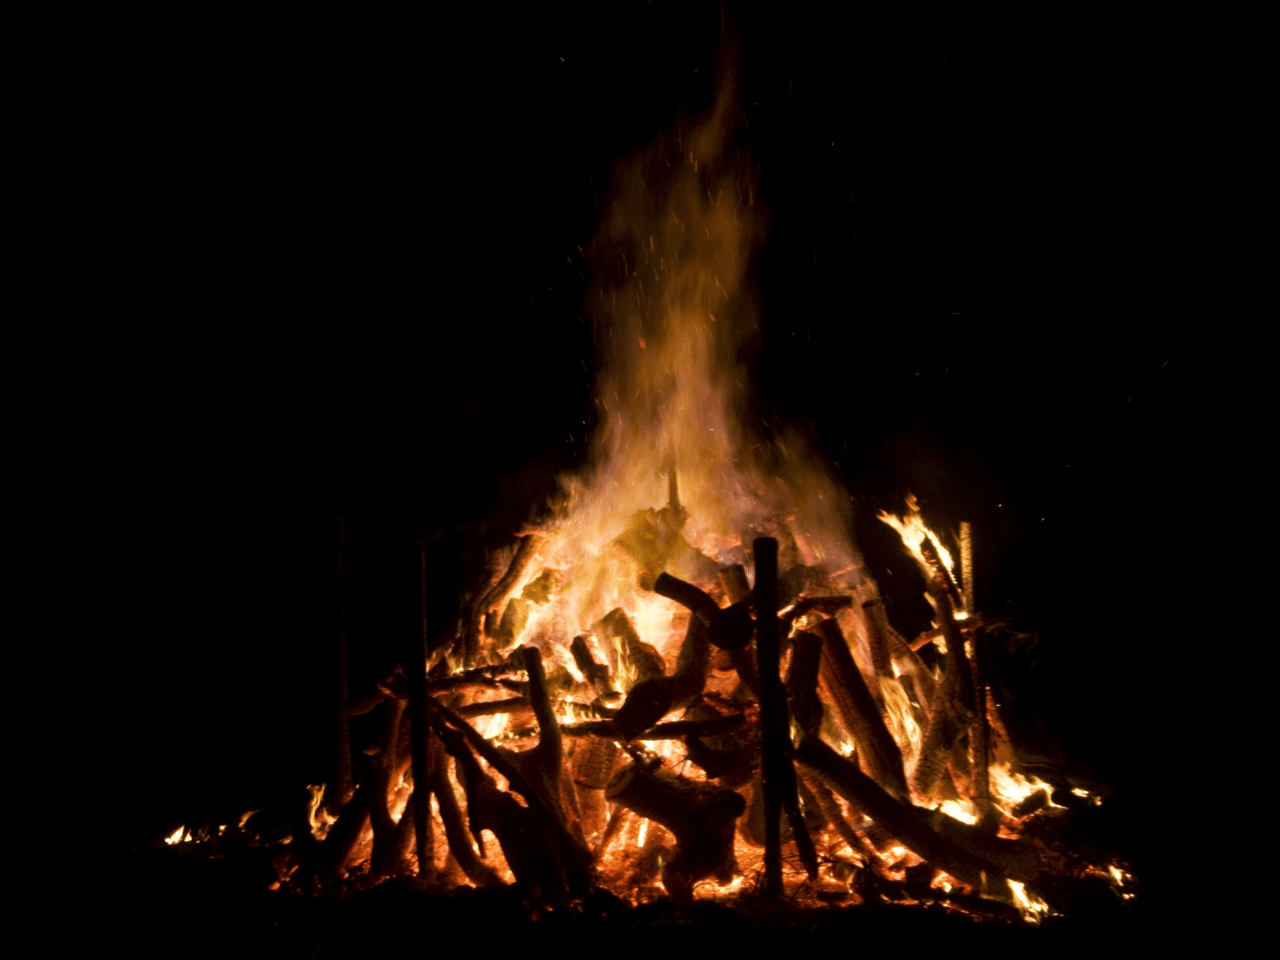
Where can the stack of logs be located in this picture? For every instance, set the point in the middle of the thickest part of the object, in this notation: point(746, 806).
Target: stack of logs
point(556, 806)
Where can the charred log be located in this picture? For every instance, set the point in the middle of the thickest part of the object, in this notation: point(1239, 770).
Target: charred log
point(700, 815)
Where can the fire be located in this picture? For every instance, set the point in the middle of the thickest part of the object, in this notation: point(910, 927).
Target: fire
point(689, 639)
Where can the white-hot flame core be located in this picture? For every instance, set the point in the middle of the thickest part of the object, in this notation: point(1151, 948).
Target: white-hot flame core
point(176, 836)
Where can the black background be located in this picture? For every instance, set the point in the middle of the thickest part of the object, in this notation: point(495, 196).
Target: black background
point(325, 267)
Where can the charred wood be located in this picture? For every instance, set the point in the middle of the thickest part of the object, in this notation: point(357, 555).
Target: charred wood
point(649, 701)
point(700, 815)
point(729, 629)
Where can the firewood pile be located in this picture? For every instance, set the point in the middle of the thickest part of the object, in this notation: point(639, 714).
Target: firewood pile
point(737, 726)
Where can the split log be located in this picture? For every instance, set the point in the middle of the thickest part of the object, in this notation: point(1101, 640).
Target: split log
point(495, 595)
point(728, 629)
point(894, 816)
point(649, 701)
point(952, 709)
point(700, 815)
point(966, 567)
point(802, 682)
point(847, 692)
point(594, 760)
point(876, 626)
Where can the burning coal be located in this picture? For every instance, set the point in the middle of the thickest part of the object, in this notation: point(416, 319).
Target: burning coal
point(680, 680)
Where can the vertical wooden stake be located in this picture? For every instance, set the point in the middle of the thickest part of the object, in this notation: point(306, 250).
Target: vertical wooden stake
point(419, 731)
point(343, 761)
point(773, 715)
point(966, 566)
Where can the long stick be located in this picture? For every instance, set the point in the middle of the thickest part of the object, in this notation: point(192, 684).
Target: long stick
point(419, 732)
point(773, 708)
point(343, 725)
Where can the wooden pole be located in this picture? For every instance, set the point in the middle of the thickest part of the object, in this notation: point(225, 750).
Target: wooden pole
point(343, 725)
point(419, 732)
point(773, 708)
point(966, 566)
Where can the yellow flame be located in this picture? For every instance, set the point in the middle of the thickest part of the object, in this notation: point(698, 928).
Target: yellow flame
point(911, 528)
point(319, 819)
point(1010, 789)
point(902, 722)
point(176, 836)
point(1032, 908)
point(960, 811)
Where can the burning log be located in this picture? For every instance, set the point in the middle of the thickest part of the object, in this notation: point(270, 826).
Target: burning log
point(898, 819)
point(546, 861)
point(597, 674)
point(700, 815)
point(643, 658)
point(455, 829)
point(733, 580)
point(729, 629)
point(980, 737)
point(1013, 859)
point(878, 632)
point(802, 682)
point(651, 700)
point(815, 606)
point(476, 626)
point(847, 691)
point(951, 712)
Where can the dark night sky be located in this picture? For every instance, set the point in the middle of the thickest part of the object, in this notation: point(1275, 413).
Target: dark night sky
point(334, 270)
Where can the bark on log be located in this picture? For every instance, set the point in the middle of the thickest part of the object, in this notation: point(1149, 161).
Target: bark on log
point(875, 622)
point(455, 829)
point(700, 815)
point(847, 692)
point(897, 818)
point(802, 682)
point(952, 709)
point(835, 817)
